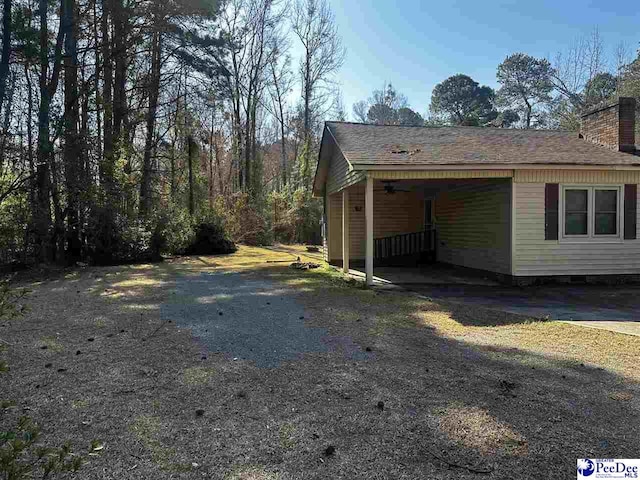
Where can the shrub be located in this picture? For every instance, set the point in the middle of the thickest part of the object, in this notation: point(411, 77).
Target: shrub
point(20, 457)
point(173, 231)
point(280, 217)
point(10, 306)
point(244, 221)
point(14, 220)
point(115, 239)
point(306, 213)
point(119, 240)
point(210, 239)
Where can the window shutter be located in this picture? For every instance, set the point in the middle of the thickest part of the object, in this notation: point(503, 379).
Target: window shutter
point(551, 197)
point(630, 207)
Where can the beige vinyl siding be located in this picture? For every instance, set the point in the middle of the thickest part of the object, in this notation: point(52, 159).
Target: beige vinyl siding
point(341, 175)
point(401, 212)
point(325, 231)
point(334, 227)
point(535, 256)
point(474, 226)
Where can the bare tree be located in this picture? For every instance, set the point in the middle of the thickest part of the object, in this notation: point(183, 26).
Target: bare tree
point(574, 68)
point(251, 27)
point(323, 54)
point(6, 48)
point(622, 58)
point(282, 81)
point(360, 110)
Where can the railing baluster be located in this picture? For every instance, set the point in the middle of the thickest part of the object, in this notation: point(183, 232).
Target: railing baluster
point(405, 244)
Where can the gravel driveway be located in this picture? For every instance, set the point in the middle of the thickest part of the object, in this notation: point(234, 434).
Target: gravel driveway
point(249, 318)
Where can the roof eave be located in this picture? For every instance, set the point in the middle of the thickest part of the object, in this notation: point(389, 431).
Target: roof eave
point(317, 191)
point(494, 166)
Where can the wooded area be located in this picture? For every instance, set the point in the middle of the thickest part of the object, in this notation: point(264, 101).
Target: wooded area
point(130, 127)
point(135, 128)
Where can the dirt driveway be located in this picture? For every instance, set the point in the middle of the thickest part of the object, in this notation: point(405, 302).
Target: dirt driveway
point(236, 368)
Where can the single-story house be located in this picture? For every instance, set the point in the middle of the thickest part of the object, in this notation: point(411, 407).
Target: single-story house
point(523, 204)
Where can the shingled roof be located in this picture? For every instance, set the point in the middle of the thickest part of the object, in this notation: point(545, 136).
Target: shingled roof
point(371, 146)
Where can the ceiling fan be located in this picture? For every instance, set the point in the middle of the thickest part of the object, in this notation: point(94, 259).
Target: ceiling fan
point(390, 188)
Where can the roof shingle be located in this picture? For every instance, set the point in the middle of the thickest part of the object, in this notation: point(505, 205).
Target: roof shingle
point(378, 145)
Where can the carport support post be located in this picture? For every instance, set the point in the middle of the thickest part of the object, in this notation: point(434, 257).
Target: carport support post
point(368, 210)
point(345, 230)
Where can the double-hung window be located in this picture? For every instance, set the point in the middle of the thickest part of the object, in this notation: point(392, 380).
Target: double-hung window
point(591, 212)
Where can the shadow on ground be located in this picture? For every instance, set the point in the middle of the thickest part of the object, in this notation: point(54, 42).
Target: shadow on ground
point(452, 406)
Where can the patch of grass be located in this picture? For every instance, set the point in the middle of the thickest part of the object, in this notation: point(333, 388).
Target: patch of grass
point(576, 344)
point(79, 403)
point(147, 429)
point(388, 321)
point(474, 428)
point(287, 436)
point(251, 472)
point(505, 335)
point(621, 396)
point(52, 344)
point(138, 281)
point(343, 315)
point(197, 375)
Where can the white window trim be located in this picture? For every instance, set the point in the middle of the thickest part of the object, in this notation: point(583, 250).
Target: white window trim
point(591, 237)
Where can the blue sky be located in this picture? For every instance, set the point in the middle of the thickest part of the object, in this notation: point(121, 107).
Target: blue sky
point(417, 44)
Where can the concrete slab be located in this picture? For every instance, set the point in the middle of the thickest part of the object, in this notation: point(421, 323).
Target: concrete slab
point(628, 328)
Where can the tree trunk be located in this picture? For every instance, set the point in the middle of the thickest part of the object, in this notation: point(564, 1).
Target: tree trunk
point(247, 142)
point(211, 156)
point(96, 83)
point(32, 167)
point(6, 121)
point(48, 88)
point(173, 183)
point(283, 145)
point(529, 109)
point(154, 89)
point(191, 152)
point(72, 151)
point(108, 162)
point(42, 216)
point(119, 99)
point(6, 48)
point(247, 154)
point(307, 96)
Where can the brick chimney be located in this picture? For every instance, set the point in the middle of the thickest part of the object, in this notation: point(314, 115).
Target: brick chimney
point(611, 125)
